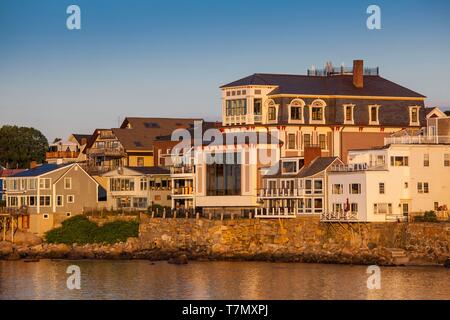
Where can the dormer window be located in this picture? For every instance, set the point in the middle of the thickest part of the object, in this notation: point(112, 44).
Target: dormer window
point(348, 114)
point(289, 167)
point(296, 111)
point(373, 114)
point(414, 116)
point(272, 111)
point(317, 112)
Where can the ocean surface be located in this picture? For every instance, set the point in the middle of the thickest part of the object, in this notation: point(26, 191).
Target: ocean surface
point(141, 279)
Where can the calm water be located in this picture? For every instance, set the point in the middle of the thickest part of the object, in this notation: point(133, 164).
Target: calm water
point(216, 280)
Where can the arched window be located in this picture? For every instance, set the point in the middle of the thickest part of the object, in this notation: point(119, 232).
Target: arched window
point(296, 111)
point(317, 111)
point(272, 111)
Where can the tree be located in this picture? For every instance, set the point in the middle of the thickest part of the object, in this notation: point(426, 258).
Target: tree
point(21, 145)
point(447, 112)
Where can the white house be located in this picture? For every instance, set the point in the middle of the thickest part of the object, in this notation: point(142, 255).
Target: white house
point(390, 183)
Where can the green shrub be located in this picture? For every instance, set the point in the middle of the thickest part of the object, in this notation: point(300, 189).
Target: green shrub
point(428, 216)
point(82, 231)
point(2, 203)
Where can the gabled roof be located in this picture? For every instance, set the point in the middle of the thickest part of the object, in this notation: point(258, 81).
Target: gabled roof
point(79, 137)
point(132, 139)
point(334, 85)
point(318, 165)
point(40, 170)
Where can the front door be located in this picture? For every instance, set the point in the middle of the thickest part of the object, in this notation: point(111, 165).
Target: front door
point(405, 209)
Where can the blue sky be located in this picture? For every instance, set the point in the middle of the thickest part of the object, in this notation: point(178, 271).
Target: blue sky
point(168, 58)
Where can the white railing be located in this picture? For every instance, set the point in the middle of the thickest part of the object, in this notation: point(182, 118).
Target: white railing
point(271, 213)
point(257, 118)
point(350, 167)
point(339, 216)
point(417, 140)
point(282, 193)
point(241, 119)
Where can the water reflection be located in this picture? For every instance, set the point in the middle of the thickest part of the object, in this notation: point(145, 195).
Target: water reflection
point(216, 280)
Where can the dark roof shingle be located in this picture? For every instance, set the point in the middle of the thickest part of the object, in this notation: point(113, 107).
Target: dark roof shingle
point(326, 85)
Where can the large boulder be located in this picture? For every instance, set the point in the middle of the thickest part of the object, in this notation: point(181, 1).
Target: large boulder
point(26, 238)
point(179, 259)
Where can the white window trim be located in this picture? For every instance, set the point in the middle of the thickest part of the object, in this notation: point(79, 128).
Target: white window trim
point(295, 141)
point(44, 179)
point(322, 105)
point(370, 114)
point(67, 179)
point(271, 103)
point(417, 123)
point(352, 121)
point(301, 106)
point(44, 205)
point(73, 198)
point(326, 141)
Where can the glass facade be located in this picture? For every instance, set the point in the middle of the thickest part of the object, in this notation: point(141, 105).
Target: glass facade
point(223, 177)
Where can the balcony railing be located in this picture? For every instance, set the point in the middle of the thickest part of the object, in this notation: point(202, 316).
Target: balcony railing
point(417, 140)
point(339, 216)
point(240, 119)
point(61, 154)
point(109, 152)
point(286, 193)
point(185, 191)
point(358, 167)
point(271, 213)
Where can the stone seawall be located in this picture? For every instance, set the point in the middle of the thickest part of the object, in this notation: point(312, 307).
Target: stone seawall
point(301, 239)
point(292, 240)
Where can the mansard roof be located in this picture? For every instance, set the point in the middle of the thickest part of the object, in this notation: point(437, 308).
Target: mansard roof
point(332, 85)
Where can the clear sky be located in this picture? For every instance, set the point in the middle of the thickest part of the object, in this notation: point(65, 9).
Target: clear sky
point(168, 58)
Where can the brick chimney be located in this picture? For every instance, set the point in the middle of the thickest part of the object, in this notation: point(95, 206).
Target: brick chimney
point(312, 153)
point(33, 164)
point(358, 73)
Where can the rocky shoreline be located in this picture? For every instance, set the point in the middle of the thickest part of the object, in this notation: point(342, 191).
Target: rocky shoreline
point(136, 249)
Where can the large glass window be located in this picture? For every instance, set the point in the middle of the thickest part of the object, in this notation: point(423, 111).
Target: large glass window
point(118, 184)
point(399, 161)
point(223, 178)
point(236, 107)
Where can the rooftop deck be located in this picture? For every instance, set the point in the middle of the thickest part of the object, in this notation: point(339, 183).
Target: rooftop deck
point(418, 140)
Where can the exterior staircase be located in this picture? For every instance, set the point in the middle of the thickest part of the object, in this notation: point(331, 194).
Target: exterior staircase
point(398, 256)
